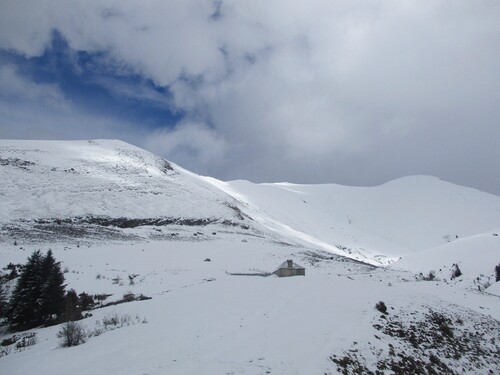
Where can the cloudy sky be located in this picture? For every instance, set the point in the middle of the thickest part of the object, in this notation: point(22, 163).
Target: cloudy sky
point(311, 91)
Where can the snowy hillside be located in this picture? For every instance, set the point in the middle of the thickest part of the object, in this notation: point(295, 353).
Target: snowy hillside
point(475, 256)
point(373, 224)
point(124, 222)
point(53, 189)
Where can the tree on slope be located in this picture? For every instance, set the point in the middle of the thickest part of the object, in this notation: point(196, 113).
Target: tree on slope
point(3, 300)
point(52, 298)
point(23, 309)
point(38, 296)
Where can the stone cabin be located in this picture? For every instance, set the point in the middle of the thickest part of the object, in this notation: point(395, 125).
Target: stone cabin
point(290, 268)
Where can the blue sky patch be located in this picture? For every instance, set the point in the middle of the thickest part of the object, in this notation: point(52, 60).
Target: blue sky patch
point(91, 82)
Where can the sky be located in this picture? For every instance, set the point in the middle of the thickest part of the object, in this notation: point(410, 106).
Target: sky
point(317, 91)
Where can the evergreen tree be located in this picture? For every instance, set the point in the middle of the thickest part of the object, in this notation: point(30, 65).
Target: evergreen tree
point(38, 297)
point(3, 300)
point(71, 309)
point(23, 310)
point(52, 301)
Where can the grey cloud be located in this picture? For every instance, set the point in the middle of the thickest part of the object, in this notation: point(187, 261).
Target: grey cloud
point(351, 92)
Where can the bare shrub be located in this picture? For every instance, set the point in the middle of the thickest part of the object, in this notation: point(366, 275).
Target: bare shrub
point(27, 340)
point(131, 279)
point(72, 334)
point(111, 321)
point(115, 320)
point(125, 320)
point(97, 331)
point(4, 351)
point(18, 343)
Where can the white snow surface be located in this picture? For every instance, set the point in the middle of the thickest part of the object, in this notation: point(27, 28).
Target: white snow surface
point(374, 224)
point(203, 319)
point(102, 177)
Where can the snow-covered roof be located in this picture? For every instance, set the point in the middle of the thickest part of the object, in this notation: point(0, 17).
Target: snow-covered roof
point(294, 265)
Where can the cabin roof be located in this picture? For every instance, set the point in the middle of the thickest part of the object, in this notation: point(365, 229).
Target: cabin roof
point(294, 266)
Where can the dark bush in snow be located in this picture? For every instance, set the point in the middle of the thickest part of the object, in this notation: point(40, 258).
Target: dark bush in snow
point(497, 272)
point(431, 276)
point(380, 306)
point(18, 343)
point(86, 301)
point(13, 270)
point(101, 298)
point(72, 334)
point(129, 297)
point(455, 271)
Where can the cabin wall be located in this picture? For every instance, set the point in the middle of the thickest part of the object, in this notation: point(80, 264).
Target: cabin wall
point(286, 272)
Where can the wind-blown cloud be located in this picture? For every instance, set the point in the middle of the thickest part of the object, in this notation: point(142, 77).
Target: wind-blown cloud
point(351, 92)
point(40, 111)
point(21, 91)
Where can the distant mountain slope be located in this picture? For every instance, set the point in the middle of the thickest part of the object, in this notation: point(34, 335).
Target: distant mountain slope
point(399, 217)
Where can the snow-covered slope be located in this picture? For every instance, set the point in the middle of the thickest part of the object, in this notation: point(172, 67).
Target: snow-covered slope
point(476, 256)
point(108, 178)
point(53, 186)
point(371, 223)
point(203, 320)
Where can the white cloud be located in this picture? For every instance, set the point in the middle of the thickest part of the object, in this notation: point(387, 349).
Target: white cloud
point(15, 88)
point(193, 145)
point(134, 91)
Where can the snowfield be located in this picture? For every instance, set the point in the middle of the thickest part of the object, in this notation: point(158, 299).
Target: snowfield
point(109, 210)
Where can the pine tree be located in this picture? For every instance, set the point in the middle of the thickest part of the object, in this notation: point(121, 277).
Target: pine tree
point(23, 310)
point(38, 297)
point(71, 309)
point(3, 300)
point(52, 298)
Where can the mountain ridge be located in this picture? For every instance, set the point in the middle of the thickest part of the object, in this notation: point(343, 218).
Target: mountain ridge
point(113, 185)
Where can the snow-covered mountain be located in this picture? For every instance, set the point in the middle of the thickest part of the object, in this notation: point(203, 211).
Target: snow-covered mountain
point(93, 188)
point(54, 188)
point(49, 179)
point(125, 222)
